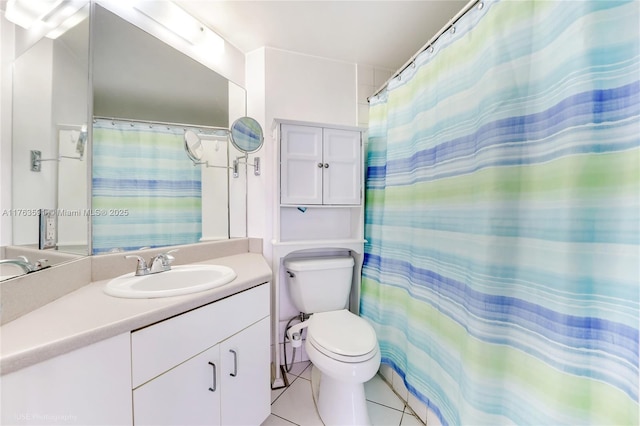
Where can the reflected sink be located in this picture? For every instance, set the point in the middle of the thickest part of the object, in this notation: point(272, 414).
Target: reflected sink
point(179, 280)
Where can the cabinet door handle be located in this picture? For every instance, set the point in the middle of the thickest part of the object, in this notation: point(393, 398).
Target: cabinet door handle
point(235, 363)
point(213, 388)
point(326, 165)
point(320, 165)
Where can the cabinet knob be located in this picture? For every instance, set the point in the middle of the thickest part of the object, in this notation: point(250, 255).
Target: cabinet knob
point(320, 165)
point(326, 165)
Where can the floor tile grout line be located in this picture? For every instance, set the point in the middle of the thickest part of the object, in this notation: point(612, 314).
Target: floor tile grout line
point(290, 383)
point(286, 420)
point(405, 409)
point(283, 391)
point(386, 406)
point(408, 410)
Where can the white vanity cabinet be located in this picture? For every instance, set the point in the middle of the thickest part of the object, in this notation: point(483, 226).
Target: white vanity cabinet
point(88, 386)
point(207, 366)
point(320, 165)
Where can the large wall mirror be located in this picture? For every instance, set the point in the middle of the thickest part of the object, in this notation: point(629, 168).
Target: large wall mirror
point(101, 119)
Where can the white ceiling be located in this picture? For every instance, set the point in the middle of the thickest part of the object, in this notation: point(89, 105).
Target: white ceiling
point(380, 33)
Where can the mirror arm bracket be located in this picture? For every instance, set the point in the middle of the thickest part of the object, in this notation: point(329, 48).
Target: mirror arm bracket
point(255, 165)
point(36, 159)
point(211, 166)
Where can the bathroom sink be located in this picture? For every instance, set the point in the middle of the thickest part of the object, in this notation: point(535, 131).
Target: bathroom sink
point(179, 280)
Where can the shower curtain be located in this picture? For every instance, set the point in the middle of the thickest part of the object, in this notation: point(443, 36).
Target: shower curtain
point(145, 190)
point(502, 216)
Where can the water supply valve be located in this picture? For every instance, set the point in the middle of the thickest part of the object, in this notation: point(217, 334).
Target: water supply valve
point(295, 333)
point(296, 340)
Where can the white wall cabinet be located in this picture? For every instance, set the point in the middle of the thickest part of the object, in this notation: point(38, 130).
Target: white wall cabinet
point(212, 365)
point(319, 208)
point(320, 166)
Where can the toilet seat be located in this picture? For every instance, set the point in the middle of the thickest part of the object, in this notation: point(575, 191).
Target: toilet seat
point(342, 336)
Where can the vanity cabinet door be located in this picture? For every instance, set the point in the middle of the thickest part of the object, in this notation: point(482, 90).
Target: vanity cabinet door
point(88, 386)
point(209, 366)
point(228, 384)
point(188, 394)
point(246, 375)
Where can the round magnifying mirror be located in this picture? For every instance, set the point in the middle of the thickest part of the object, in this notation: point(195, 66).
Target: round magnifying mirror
point(193, 145)
point(246, 134)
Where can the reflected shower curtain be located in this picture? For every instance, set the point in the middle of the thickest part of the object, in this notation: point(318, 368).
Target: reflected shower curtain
point(145, 190)
point(503, 197)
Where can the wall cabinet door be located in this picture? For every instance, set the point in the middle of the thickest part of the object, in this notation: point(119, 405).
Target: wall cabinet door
point(319, 166)
point(301, 165)
point(188, 394)
point(341, 169)
point(246, 376)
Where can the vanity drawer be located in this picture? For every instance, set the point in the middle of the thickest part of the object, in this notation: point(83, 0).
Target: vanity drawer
point(160, 347)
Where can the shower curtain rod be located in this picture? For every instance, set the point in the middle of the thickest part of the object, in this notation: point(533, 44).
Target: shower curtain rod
point(160, 123)
point(433, 39)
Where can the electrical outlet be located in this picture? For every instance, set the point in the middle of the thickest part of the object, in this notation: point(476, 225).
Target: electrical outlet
point(48, 229)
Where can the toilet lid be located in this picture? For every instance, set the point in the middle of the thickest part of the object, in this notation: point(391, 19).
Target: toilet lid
point(342, 333)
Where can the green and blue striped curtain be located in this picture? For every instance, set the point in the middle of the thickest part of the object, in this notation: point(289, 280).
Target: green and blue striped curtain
point(502, 268)
point(145, 190)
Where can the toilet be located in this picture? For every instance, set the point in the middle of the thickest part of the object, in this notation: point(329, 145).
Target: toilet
point(341, 345)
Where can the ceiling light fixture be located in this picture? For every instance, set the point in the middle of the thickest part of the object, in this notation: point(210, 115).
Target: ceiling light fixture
point(66, 18)
point(46, 17)
point(25, 13)
point(175, 19)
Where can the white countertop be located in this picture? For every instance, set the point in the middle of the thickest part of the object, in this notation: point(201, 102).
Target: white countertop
point(88, 315)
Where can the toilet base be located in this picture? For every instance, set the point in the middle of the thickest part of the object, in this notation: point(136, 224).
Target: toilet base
point(339, 403)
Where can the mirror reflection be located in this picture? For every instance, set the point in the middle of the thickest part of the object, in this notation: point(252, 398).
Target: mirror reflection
point(195, 148)
point(50, 117)
point(246, 134)
point(52, 114)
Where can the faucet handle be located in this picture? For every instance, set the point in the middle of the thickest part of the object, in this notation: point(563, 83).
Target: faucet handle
point(168, 256)
point(41, 264)
point(162, 262)
point(141, 267)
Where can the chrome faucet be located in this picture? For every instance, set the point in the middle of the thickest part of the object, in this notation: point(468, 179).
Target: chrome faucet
point(162, 262)
point(141, 266)
point(23, 262)
point(159, 263)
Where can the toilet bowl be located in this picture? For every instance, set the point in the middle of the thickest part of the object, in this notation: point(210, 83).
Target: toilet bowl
point(342, 346)
point(344, 349)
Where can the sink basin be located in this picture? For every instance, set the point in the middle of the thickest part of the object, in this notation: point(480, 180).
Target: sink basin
point(179, 280)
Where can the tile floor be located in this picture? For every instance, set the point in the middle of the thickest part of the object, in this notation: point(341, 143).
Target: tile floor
point(294, 405)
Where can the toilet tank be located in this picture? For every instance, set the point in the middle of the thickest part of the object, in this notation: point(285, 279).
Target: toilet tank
point(319, 284)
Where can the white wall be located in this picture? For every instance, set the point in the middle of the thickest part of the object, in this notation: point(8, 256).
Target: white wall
point(370, 79)
point(6, 81)
point(70, 85)
point(288, 85)
point(32, 105)
point(237, 186)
